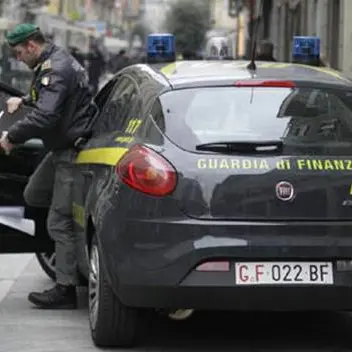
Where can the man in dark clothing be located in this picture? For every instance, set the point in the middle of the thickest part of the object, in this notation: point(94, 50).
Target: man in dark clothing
point(96, 65)
point(189, 55)
point(62, 117)
point(266, 51)
point(120, 61)
point(78, 55)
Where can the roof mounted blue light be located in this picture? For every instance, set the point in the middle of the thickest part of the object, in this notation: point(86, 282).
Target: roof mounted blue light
point(161, 47)
point(306, 49)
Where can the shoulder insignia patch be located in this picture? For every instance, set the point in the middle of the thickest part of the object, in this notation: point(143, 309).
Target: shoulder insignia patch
point(45, 81)
point(46, 65)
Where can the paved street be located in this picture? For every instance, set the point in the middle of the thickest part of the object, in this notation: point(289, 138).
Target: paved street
point(23, 328)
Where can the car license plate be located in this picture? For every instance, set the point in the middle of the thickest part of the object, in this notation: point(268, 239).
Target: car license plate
point(284, 273)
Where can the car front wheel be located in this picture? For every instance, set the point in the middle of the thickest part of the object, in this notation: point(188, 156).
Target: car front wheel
point(112, 324)
point(47, 263)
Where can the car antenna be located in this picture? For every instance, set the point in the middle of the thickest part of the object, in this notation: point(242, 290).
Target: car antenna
point(252, 66)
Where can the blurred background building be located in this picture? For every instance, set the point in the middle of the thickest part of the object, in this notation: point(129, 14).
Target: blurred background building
point(327, 19)
point(124, 24)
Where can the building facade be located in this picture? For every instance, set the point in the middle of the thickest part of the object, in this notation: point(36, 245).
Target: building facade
point(327, 19)
point(233, 27)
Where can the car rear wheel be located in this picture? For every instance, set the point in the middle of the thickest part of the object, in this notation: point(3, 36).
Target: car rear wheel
point(47, 263)
point(111, 322)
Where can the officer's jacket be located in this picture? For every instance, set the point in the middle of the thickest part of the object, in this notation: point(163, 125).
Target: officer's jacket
point(63, 107)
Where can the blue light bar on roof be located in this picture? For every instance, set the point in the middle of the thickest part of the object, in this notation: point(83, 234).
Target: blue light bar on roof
point(161, 47)
point(305, 48)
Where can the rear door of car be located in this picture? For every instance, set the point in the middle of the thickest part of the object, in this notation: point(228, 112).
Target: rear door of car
point(116, 124)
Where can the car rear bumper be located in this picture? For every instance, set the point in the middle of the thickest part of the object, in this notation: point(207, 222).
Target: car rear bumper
point(154, 264)
point(238, 299)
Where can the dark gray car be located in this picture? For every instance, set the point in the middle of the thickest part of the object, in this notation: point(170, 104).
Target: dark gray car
point(206, 186)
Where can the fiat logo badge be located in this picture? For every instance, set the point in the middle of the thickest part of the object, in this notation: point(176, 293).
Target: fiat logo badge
point(285, 191)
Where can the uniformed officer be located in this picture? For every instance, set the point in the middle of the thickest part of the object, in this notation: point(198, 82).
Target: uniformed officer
point(265, 51)
point(62, 117)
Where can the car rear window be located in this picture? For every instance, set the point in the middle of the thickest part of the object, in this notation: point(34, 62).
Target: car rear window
point(306, 119)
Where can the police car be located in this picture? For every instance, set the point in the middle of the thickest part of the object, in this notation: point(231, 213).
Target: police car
point(208, 185)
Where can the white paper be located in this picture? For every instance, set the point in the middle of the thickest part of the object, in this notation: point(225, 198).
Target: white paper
point(24, 225)
point(12, 212)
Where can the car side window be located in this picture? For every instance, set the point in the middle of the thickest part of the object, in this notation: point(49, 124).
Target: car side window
point(156, 118)
point(120, 106)
point(102, 97)
point(158, 115)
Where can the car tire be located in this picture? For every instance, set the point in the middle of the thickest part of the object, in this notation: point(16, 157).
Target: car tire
point(47, 262)
point(112, 324)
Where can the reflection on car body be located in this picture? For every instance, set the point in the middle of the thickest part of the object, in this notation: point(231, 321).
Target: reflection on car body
point(256, 217)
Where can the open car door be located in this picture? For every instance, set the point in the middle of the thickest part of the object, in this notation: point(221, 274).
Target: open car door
point(22, 229)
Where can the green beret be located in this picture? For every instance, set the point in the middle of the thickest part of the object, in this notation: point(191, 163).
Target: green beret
point(20, 33)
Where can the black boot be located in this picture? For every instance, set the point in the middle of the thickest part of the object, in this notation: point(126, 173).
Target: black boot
point(58, 297)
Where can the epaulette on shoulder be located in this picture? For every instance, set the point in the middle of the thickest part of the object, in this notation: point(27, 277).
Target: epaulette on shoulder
point(46, 65)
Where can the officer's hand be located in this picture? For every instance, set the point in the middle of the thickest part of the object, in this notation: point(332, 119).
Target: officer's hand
point(13, 104)
point(5, 144)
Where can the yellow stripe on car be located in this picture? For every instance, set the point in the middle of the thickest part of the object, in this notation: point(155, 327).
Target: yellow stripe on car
point(330, 72)
point(104, 156)
point(326, 70)
point(169, 69)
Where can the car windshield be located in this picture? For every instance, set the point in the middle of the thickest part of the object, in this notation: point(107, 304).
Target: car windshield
point(300, 116)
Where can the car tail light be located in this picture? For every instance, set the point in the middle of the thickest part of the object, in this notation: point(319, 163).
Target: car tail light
point(270, 83)
point(146, 171)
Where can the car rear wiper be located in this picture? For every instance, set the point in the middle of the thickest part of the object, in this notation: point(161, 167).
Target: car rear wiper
point(242, 146)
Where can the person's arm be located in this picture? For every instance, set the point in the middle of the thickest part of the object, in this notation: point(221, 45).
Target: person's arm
point(52, 95)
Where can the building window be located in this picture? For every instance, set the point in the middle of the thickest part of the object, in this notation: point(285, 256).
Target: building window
point(304, 15)
point(313, 17)
point(333, 33)
point(288, 33)
point(296, 17)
